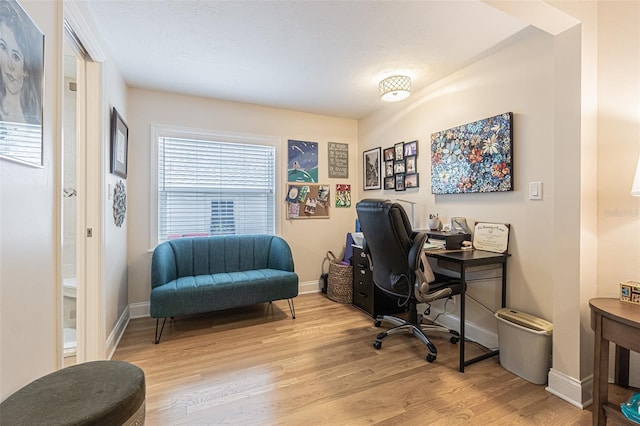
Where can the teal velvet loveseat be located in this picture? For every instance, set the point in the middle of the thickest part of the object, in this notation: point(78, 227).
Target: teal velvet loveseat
point(204, 274)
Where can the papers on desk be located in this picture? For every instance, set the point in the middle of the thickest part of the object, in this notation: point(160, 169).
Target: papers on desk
point(434, 244)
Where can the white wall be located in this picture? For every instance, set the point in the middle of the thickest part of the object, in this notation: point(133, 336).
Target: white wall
point(29, 334)
point(309, 238)
point(618, 151)
point(618, 144)
point(115, 284)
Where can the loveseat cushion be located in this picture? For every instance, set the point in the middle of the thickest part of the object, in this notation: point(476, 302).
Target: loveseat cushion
point(203, 293)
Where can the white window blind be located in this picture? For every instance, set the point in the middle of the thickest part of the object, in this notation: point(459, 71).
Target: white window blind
point(207, 187)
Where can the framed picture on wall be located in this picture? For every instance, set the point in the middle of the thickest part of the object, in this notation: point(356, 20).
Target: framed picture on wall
point(410, 164)
point(389, 154)
point(119, 145)
point(372, 162)
point(21, 86)
point(388, 168)
point(411, 148)
point(400, 182)
point(399, 151)
point(389, 183)
point(411, 181)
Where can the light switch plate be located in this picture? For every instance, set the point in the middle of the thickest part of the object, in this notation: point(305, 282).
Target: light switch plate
point(535, 190)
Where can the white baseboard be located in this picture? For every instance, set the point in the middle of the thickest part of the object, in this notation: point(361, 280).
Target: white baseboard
point(309, 287)
point(575, 392)
point(117, 332)
point(139, 310)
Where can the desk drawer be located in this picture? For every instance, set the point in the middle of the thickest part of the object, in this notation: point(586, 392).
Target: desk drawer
point(363, 295)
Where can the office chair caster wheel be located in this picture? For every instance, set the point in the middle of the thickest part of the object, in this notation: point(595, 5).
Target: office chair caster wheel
point(377, 344)
point(431, 357)
point(377, 323)
point(454, 339)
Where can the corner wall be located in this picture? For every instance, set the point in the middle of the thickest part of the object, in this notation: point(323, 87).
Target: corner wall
point(518, 78)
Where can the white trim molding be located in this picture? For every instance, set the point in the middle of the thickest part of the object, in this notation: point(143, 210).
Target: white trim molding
point(116, 334)
point(575, 392)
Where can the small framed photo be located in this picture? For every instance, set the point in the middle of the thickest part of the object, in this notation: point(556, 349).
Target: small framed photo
point(411, 148)
point(398, 167)
point(388, 168)
point(372, 160)
point(389, 154)
point(119, 145)
point(399, 151)
point(410, 164)
point(411, 181)
point(389, 182)
point(400, 182)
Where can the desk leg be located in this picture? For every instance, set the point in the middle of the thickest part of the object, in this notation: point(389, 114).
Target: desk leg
point(463, 281)
point(600, 374)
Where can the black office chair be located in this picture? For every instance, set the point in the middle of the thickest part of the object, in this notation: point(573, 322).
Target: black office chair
point(401, 270)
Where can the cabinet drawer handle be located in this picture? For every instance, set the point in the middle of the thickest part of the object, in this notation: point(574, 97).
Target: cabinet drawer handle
point(362, 271)
point(363, 294)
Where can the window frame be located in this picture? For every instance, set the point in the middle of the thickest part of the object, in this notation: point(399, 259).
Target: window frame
point(164, 131)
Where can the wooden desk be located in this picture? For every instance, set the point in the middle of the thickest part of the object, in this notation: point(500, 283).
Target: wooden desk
point(464, 259)
point(616, 322)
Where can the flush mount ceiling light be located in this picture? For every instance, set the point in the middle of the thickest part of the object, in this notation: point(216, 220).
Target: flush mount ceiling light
point(395, 88)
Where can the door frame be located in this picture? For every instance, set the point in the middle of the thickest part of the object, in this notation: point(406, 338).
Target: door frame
point(90, 319)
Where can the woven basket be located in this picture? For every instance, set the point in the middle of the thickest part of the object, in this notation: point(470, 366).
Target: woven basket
point(340, 285)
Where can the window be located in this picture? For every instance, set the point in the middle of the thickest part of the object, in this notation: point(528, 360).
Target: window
point(208, 185)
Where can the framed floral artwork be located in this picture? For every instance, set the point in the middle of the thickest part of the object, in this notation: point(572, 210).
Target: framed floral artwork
point(473, 157)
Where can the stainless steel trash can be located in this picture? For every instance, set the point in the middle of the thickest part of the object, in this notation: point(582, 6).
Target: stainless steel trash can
point(525, 344)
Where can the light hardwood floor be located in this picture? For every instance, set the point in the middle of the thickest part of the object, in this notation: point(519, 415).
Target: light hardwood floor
point(257, 366)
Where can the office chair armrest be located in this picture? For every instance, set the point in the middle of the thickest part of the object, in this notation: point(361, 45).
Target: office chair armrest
point(419, 239)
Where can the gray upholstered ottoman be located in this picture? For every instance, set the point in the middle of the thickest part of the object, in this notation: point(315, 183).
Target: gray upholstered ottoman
point(94, 393)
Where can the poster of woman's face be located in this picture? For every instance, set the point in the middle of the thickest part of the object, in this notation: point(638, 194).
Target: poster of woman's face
point(21, 84)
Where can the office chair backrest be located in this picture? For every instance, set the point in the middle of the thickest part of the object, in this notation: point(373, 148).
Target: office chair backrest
point(389, 241)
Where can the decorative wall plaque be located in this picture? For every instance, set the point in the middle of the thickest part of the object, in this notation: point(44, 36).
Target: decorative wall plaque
point(119, 203)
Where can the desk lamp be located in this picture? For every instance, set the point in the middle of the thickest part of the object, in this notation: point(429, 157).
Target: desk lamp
point(413, 224)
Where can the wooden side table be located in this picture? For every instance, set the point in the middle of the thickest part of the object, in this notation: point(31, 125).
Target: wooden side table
point(616, 322)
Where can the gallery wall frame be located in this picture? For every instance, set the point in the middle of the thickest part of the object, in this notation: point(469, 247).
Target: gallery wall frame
point(473, 157)
point(371, 165)
point(119, 145)
point(21, 95)
point(302, 163)
point(308, 200)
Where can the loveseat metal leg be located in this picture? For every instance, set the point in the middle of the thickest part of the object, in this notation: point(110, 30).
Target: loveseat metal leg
point(292, 308)
point(157, 340)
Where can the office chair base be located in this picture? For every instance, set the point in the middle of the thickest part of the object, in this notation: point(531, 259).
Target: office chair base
point(403, 326)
